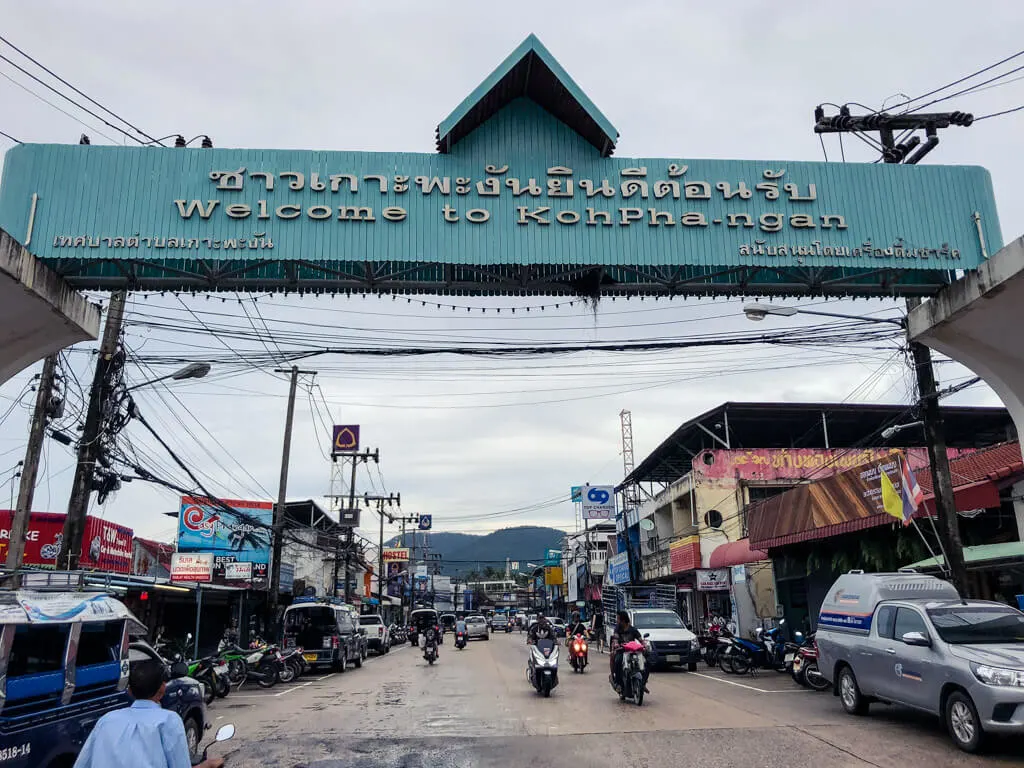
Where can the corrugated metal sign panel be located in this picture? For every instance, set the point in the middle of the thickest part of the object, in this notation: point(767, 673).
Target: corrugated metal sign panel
point(182, 204)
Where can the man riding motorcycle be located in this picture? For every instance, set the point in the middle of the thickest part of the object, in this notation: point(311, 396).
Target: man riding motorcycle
point(624, 632)
point(576, 627)
point(541, 630)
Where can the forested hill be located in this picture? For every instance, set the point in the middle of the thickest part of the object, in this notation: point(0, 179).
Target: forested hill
point(463, 553)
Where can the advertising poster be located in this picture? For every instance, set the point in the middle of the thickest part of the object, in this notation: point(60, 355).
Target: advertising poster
point(237, 534)
point(192, 566)
point(713, 580)
point(106, 546)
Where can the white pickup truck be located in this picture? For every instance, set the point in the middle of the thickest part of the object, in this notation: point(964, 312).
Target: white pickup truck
point(672, 644)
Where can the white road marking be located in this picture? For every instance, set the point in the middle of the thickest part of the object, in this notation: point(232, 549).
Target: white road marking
point(282, 693)
point(322, 678)
point(220, 717)
point(741, 685)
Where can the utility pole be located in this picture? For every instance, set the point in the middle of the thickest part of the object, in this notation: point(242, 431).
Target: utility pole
point(282, 493)
point(908, 152)
point(391, 498)
point(30, 467)
point(348, 518)
point(108, 366)
point(938, 457)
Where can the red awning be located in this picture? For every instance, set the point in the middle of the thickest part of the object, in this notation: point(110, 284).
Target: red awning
point(735, 553)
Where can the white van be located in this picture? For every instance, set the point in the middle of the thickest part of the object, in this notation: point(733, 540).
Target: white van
point(906, 638)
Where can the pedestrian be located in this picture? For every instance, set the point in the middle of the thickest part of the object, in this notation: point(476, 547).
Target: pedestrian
point(597, 628)
point(144, 735)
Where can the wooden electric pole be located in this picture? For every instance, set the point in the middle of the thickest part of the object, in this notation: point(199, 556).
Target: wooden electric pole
point(282, 493)
point(30, 467)
point(108, 365)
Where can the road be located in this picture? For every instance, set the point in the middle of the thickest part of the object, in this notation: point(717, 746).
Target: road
point(474, 708)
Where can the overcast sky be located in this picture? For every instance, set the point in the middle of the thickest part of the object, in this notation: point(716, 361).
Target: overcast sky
point(465, 439)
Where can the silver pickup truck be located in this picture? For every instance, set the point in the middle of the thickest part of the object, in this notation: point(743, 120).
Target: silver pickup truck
point(906, 638)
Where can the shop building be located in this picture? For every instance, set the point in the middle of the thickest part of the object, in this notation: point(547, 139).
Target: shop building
point(691, 526)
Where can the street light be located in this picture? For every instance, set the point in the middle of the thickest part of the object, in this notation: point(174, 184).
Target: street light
point(888, 432)
point(934, 431)
point(758, 312)
point(190, 371)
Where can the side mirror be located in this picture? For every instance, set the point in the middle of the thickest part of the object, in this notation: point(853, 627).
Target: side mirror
point(916, 638)
point(179, 669)
point(225, 732)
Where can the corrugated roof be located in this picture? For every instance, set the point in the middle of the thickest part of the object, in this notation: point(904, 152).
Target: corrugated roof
point(531, 72)
point(993, 463)
point(800, 425)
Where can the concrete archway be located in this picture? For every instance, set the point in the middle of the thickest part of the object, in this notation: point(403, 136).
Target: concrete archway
point(39, 312)
point(979, 322)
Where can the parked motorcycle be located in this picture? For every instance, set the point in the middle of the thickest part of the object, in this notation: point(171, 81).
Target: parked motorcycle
point(235, 657)
point(579, 654)
point(292, 664)
point(634, 662)
point(710, 641)
point(542, 668)
point(213, 674)
point(263, 664)
point(805, 667)
point(430, 645)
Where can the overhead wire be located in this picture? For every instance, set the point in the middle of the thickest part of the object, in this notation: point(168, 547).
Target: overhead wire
point(63, 111)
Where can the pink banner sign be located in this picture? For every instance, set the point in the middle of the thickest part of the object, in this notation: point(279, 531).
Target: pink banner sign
point(797, 463)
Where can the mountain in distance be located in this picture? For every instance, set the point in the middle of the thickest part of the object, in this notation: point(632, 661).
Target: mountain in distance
point(462, 553)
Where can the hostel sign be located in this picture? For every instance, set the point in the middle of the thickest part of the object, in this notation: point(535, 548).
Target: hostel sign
point(524, 183)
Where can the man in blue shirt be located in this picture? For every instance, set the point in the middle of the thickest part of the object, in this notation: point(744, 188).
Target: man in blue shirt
point(145, 735)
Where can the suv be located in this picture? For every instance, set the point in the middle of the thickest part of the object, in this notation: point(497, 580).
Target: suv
point(326, 632)
point(67, 657)
point(906, 638)
point(672, 644)
point(378, 636)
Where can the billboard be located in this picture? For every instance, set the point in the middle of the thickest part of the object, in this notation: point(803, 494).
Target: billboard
point(618, 568)
point(192, 566)
point(344, 439)
point(106, 546)
point(553, 576)
point(395, 554)
point(239, 533)
point(712, 580)
point(597, 502)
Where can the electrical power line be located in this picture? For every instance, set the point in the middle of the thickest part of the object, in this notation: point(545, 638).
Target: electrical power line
point(8, 136)
point(999, 114)
point(80, 93)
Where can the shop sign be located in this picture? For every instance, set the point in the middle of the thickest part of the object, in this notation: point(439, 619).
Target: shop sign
point(712, 580)
point(192, 566)
point(395, 555)
point(106, 546)
point(618, 568)
point(597, 502)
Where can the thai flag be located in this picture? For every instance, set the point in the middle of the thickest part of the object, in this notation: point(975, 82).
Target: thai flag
point(911, 492)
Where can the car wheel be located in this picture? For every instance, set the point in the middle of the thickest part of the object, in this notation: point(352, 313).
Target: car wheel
point(963, 723)
point(341, 664)
point(358, 663)
point(692, 666)
point(852, 699)
point(192, 735)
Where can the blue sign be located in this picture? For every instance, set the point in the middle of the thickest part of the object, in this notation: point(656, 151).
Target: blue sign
point(618, 568)
point(287, 577)
point(234, 531)
point(553, 557)
point(425, 522)
point(511, 185)
point(576, 494)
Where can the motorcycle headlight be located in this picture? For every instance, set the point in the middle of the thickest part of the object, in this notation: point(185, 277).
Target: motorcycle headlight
point(1013, 678)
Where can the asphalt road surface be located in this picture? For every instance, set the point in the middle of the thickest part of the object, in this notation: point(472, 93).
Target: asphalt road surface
point(475, 708)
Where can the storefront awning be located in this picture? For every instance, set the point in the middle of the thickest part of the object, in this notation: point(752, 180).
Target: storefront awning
point(735, 553)
point(980, 557)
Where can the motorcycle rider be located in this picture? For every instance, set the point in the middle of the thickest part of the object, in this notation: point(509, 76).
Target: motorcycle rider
point(541, 630)
point(576, 627)
point(624, 633)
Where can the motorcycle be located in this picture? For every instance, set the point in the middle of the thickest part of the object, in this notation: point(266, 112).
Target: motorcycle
point(508, 628)
point(430, 645)
point(234, 656)
point(224, 733)
point(460, 640)
point(578, 653)
point(542, 668)
point(805, 667)
point(710, 643)
point(263, 664)
point(213, 674)
point(634, 662)
point(292, 664)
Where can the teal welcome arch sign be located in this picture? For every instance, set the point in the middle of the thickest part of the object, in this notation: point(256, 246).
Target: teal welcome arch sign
point(523, 196)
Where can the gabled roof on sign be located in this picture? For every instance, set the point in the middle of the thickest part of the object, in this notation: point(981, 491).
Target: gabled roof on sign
point(531, 72)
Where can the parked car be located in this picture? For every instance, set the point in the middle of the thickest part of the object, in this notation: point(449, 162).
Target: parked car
point(326, 632)
point(907, 638)
point(378, 634)
point(184, 694)
point(476, 626)
point(672, 644)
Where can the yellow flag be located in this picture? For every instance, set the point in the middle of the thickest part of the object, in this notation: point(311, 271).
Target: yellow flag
point(891, 501)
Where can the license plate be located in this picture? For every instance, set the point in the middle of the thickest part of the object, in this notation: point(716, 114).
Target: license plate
point(673, 658)
point(221, 669)
point(310, 657)
point(790, 657)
